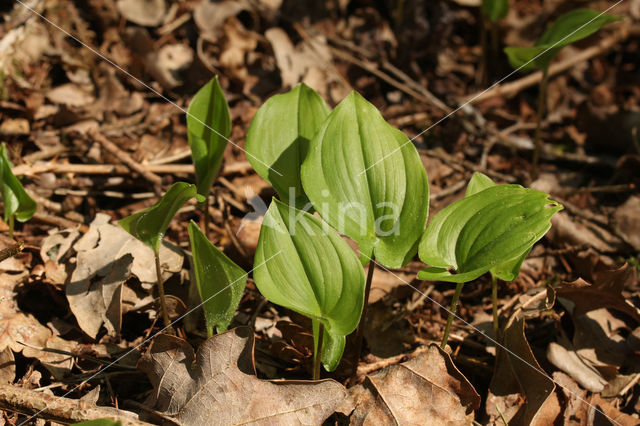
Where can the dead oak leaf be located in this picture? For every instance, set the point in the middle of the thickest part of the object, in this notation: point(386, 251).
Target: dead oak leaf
point(218, 385)
point(427, 390)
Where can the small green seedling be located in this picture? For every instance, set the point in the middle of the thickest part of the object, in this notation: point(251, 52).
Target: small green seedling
point(490, 230)
point(209, 127)
point(492, 12)
point(279, 136)
point(150, 225)
point(17, 203)
point(313, 271)
point(568, 28)
point(220, 281)
point(365, 178)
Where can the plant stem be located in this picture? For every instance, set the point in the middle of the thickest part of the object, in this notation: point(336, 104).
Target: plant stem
point(452, 311)
point(11, 225)
point(494, 299)
point(204, 206)
point(360, 332)
point(163, 306)
point(317, 353)
point(542, 100)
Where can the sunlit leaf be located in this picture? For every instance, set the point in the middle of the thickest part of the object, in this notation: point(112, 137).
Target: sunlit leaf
point(484, 231)
point(16, 201)
point(366, 179)
point(220, 281)
point(279, 137)
point(567, 29)
point(495, 10)
point(304, 265)
point(209, 127)
point(507, 271)
point(150, 225)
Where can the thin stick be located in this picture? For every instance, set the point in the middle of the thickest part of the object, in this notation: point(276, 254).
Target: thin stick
point(163, 306)
point(360, 332)
point(542, 99)
point(452, 311)
point(317, 354)
point(494, 299)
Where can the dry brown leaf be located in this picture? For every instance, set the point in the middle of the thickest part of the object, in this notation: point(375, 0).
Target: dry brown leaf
point(575, 406)
point(620, 419)
point(95, 288)
point(627, 218)
point(70, 94)
point(520, 391)
point(210, 16)
point(427, 390)
point(7, 366)
point(221, 388)
point(149, 13)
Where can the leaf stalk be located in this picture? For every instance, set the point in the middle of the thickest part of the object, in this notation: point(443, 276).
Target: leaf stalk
point(317, 353)
point(452, 311)
point(163, 305)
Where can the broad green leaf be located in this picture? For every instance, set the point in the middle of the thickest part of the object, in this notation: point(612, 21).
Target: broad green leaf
point(332, 347)
point(304, 265)
point(220, 281)
point(567, 29)
point(495, 10)
point(485, 231)
point(16, 200)
point(150, 225)
point(278, 139)
point(209, 127)
point(509, 270)
point(366, 179)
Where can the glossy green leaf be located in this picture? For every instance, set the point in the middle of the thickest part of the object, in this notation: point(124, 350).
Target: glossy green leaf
point(220, 281)
point(366, 179)
point(484, 231)
point(567, 29)
point(209, 127)
point(507, 271)
point(16, 200)
point(304, 265)
point(150, 225)
point(279, 137)
point(495, 10)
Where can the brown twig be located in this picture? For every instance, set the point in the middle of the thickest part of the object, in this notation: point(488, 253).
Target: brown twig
point(59, 409)
point(512, 88)
point(60, 222)
point(126, 159)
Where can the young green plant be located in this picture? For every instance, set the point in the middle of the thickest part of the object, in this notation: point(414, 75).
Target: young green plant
point(17, 203)
point(150, 225)
point(492, 11)
point(208, 128)
point(279, 136)
point(568, 28)
point(313, 271)
point(220, 281)
point(491, 229)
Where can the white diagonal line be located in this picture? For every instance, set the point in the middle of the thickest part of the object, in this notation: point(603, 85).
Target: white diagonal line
point(492, 340)
point(147, 86)
point(151, 337)
point(489, 88)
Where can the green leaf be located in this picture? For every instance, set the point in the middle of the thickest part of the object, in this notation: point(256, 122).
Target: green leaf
point(304, 265)
point(495, 10)
point(567, 29)
point(509, 270)
point(332, 347)
point(485, 231)
point(150, 225)
point(366, 179)
point(279, 137)
point(16, 200)
point(209, 127)
point(220, 281)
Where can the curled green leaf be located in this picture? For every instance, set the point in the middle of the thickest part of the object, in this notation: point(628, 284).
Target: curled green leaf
point(16, 200)
point(220, 281)
point(366, 179)
point(492, 229)
point(310, 270)
point(150, 224)
point(209, 127)
point(567, 29)
point(279, 137)
point(495, 10)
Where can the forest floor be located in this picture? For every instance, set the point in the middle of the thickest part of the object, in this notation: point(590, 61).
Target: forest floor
point(92, 108)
